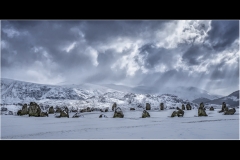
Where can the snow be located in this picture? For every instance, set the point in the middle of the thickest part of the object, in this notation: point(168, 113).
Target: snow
point(13, 91)
point(90, 127)
point(81, 96)
point(232, 97)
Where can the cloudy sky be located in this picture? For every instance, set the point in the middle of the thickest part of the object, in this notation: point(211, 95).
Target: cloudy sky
point(199, 53)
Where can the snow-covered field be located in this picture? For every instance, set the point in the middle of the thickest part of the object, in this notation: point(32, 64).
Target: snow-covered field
point(90, 127)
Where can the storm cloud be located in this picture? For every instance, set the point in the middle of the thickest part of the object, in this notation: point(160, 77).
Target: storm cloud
point(154, 53)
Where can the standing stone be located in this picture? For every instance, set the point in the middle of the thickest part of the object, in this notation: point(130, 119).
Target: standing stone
point(174, 114)
point(89, 109)
point(188, 106)
point(34, 110)
point(211, 108)
point(24, 109)
point(10, 113)
point(230, 111)
point(118, 113)
point(183, 107)
point(114, 106)
point(201, 110)
point(43, 114)
point(64, 113)
point(161, 106)
point(67, 110)
point(58, 110)
point(224, 107)
point(102, 116)
point(148, 106)
point(145, 114)
point(19, 112)
point(178, 113)
point(51, 110)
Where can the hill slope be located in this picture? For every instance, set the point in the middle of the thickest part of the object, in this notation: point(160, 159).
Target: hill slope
point(82, 96)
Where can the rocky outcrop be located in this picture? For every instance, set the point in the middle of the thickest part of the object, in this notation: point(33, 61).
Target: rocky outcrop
point(118, 113)
point(145, 114)
point(132, 109)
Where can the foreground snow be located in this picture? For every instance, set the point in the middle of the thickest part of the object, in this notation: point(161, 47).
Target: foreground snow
point(90, 126)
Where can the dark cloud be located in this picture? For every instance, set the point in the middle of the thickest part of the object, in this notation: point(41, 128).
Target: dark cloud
point(107, 58)
point(154, 56)
point(223, 33)
point(194, 52)
point(220, 71)
point(104, 51)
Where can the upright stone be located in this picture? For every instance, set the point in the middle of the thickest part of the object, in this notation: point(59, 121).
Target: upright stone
point(148, 106)
point(230, 111)
point(211, 108)
point(183, 107)
point(34, 110)
point(161, 106)
point(201, 110)
point(24, 109)
point(145, 114)
point(118, 113)
point(51, 110)
point(224, 107)
point(114, 106)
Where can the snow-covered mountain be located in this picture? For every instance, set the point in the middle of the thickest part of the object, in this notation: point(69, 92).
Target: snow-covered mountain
point(192, 93)
point(189, 93)
point(82, 96)
point(232, 100)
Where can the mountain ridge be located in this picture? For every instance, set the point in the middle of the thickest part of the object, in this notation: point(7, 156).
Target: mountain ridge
point(15, 91)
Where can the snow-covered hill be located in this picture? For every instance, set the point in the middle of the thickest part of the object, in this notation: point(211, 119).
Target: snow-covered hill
point(82, 96)
point(189, 93)
point(232, 100)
